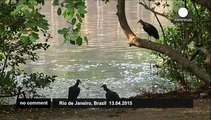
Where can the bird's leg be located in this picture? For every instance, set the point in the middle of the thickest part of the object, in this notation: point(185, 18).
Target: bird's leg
point(149, 38)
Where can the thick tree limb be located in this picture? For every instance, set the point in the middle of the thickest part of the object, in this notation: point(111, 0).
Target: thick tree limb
point(142, 43)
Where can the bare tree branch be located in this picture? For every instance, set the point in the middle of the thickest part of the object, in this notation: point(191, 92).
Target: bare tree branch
point(155, 12)
point(160, 26)
point(168, 17)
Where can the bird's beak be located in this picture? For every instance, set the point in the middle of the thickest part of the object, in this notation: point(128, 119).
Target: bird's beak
point(79, 81)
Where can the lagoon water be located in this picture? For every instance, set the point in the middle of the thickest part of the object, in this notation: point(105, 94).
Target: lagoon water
point(107, 59)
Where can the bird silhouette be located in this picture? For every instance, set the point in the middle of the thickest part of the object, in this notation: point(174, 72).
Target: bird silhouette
point(74, 91)
point(150, 29)
point(110, 95)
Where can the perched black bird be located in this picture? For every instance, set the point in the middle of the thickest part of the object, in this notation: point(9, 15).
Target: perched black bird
point(150, 29)
point(110, 95)
point(74, 91)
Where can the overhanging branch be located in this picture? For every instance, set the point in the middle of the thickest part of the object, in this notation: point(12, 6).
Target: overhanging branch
point(155, 12)
point(168, 51)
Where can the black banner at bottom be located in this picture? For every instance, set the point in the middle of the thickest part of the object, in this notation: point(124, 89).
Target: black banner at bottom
point(123, 103)
point(103, 103)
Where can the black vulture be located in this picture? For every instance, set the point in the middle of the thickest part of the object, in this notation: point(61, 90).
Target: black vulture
point(74, 91)
point(150, 29)
point(110, 95)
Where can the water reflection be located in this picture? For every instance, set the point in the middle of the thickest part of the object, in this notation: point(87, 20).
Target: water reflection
point(107, 59)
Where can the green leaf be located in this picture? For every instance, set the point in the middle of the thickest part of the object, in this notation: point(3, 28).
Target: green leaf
point(79, 41)
point(86, 39)
point(16, 11)
point(43, 23)
point(64, 31)
point(22, 1)
point(31, 24)
point(25, 7)
point(82, 10)
point(69, 6)
point(1, 30)
point(33, 2)
point(62, 4)
point(79, 25)
point(70, 1)
point(69, 12)
point(106, 1)
point(60, 31)
point(72, 42)
point(59, 11)
point(27, 13)
point(25, 40)
point(82, 15)
point(1, 56)
point(7, 1)
point(33, 37)
point(56, 2)
point(41, 1)
point(73, 21)
point(79, 17)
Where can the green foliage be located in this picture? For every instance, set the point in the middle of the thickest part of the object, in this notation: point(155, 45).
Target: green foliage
point(20, 34)
point(73, 11)
point(7, 84)
point(20, 26)
point(106, 1)
point(189, 39)
point(35, 80)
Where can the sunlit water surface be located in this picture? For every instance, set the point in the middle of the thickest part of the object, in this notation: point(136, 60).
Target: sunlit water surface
point(107, 59)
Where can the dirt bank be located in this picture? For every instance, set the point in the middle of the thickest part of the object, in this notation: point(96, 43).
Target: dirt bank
point(200, 111)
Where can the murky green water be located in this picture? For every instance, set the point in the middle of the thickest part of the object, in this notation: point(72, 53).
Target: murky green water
point(107, 59)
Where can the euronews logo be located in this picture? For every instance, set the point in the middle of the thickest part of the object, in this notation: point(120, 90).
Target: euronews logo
point(182, 13)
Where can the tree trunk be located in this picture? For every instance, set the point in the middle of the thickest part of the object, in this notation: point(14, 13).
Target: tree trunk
point(168, 51)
